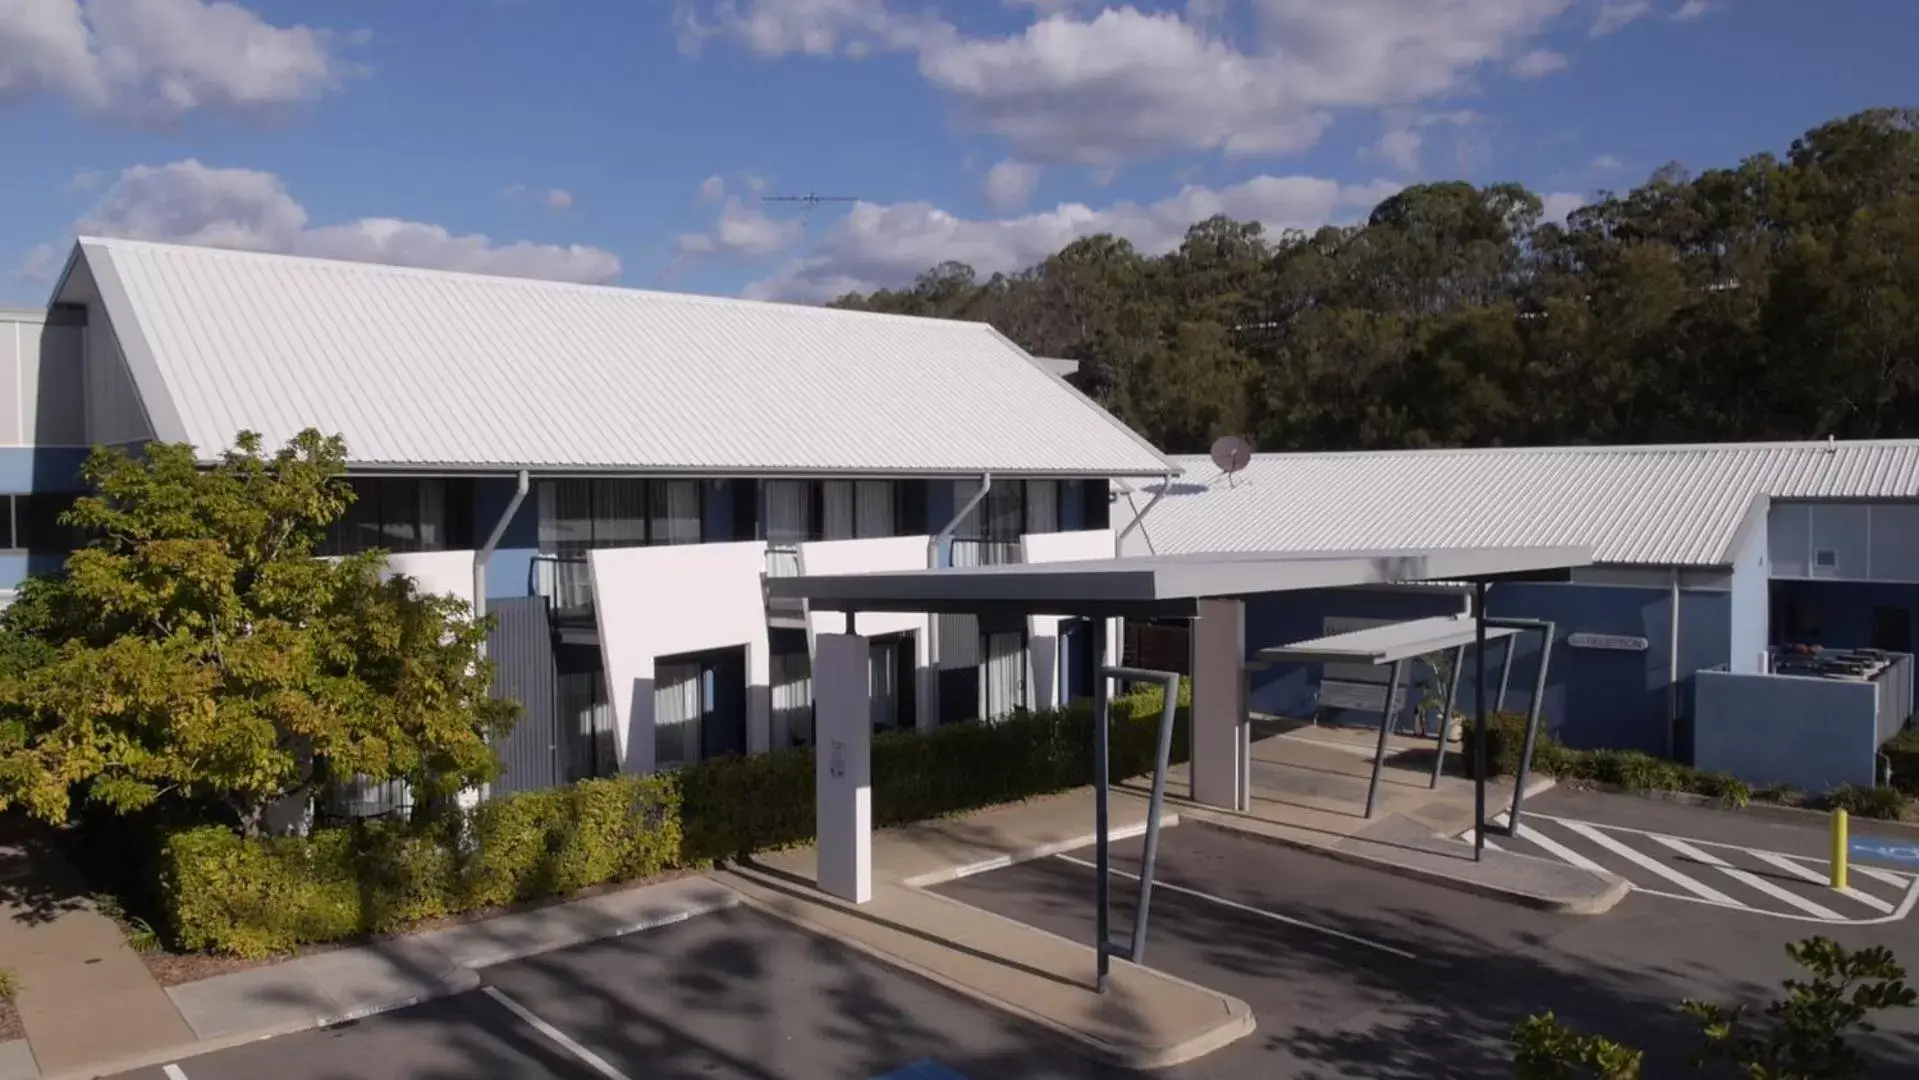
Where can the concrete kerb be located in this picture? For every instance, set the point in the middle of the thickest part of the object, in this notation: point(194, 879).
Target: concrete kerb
point(463, 975)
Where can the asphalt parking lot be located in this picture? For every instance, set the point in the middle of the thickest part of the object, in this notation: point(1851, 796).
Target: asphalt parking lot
point(731, 996)
point(1352, 972)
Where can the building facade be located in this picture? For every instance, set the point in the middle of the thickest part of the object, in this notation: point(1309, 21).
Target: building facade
point(612, 474)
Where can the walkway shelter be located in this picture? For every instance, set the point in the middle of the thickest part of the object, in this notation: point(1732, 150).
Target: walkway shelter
point(1210, 590)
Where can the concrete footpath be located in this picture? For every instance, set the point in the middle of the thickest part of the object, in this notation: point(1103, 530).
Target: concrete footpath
point(1308, 790)
point(1147, 1019)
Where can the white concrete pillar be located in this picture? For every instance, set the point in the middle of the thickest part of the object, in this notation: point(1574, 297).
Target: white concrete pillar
point(843, 765)
point(1219, 704)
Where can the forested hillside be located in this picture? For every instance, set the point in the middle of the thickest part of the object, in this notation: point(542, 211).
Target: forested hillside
point(1778, 299)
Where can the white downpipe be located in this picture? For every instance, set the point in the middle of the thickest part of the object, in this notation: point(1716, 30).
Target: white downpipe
point(485, 555)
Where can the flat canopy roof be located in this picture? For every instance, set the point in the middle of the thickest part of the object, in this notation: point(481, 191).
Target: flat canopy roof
point(1167, 586)
point(1384, 644)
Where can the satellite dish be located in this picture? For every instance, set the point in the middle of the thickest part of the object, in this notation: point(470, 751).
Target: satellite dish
point(1231, 453)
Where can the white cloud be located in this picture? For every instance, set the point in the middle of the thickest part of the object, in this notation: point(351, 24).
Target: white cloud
point(38, 264)
point(712, 189)
point(877, 245)
point(742, 232)
point(1693, 9)
point(1616, 14)
point(1558, 204)
point(1539, 63)
point(189, 202)
point(1123, 84)
point(557, 199)
point(152, 62)
point(1607, 163)
point(1400, 148)
point(1009, 184)
point(86, 180)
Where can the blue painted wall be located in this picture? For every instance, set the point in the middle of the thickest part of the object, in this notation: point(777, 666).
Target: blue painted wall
point(509, 572)
point(28, 469)
point(1594, 698)
point(1607, 698)
point(1836, 613)
point(1285, 618)
point(1814, 734)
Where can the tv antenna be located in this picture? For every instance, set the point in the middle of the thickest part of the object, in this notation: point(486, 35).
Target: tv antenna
point(808, 201)
point(1231, 453)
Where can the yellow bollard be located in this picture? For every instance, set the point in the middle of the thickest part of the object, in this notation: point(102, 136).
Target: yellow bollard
point(1840, 848)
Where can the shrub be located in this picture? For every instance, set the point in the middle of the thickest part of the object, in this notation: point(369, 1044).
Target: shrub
point(257, 896)
point(9, 985)
point(1885, 803)
point(1506, 742)
point(1902, 753)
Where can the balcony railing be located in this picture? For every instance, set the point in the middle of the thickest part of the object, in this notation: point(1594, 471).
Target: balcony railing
point(564, 580)
point(969, 552)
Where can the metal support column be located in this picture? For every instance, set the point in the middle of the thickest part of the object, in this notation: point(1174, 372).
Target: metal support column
point(1546, 632)
point(1386, 718)
point(1102, 868)
point(1149, 857)
point(1446, 715)
point(1505, 674)
point(1479, 720)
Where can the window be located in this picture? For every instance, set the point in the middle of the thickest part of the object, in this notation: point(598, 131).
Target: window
point(1892, 629)
point(577, 516)
point(801, 510)
point(34, 524)
point(402, 514)
point(699, 707)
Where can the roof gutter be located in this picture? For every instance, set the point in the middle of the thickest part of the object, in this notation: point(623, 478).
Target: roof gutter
point(1139, 515)
point(485, 554)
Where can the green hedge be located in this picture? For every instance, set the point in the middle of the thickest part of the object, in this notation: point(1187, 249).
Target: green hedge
point(223, 893)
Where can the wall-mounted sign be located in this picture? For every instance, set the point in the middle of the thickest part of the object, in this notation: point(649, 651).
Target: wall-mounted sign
point(1614, 642)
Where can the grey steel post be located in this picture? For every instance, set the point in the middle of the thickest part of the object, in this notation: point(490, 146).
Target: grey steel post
point(1479, 720)
point(1446, 715)
point(1386, 719)
point(1532, 725)
point(1505, 675)
point(1102, 888)
point(1149, 857)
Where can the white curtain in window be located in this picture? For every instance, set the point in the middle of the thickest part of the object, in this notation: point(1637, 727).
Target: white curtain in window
point(875, 512)
point(883, 684)
point(792, 677)
point(836, 510)
point(1005, 674)
point(787, 503)
point(1042, 506)
point(676, 714)
point(619, 513)
point(676, 512)
point(432, 515)
point(973, 526)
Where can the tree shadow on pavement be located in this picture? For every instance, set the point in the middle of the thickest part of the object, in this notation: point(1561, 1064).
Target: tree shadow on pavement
point(37, 882)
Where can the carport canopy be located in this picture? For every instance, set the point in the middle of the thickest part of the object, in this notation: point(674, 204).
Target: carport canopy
point(1384, 644)
point(1162, 586)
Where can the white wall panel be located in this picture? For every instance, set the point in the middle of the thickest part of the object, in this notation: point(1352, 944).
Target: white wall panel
point(664, 601)
point(862, 556)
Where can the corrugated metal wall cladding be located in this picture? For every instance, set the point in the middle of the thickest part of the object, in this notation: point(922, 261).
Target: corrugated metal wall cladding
point(1634, 505)
point(441, 368)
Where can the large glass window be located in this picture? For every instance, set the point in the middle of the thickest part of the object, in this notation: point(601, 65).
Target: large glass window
point(34, 524)
point(577, 516)
point(402, 514)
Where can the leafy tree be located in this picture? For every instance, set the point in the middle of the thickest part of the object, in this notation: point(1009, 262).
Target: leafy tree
point(1776, 298)
point(1805, 1035)
point(196, 646)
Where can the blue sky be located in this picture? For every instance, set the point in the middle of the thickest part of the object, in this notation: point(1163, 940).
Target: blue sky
point(631, 142)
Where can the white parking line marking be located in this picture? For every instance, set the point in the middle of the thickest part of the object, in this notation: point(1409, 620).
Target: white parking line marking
point(1697, 888)
point(560, 1038)
point(1750, 880)
point(173, 1072)
point(1798, 869)
point(1248, 909)
point(1890, 877)
point(1534, 836)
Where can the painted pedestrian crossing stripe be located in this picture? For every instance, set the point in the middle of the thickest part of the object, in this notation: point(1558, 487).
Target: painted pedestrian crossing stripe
point(1773, 883)
point(922, 1070)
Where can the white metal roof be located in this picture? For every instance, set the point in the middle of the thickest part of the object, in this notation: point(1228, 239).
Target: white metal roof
point(429, 369)
point(1636, 505)
point(1095, 585)
point(1385, 643)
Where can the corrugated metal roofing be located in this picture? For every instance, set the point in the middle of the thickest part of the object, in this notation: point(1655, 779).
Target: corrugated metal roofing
point(1640, 505)
point(422, 368)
